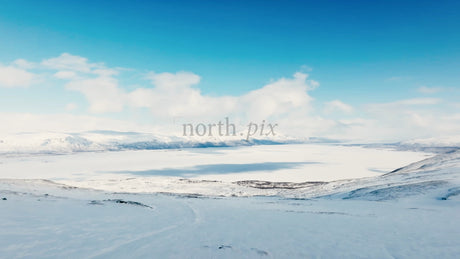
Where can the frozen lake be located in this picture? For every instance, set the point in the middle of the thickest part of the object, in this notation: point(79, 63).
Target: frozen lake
point(162, 170)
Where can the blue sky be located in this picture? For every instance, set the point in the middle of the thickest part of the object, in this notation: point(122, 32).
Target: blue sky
point(359, 51)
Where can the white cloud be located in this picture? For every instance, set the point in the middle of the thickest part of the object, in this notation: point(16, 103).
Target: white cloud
point(404, 103)
point(94, 80)
point(278, 98)
point(305, 68)
point(285, 101)
point(170, 81)
point(64, 74)
point(402, 120)
point(337, 106)
point(24, 64)
point(68, 62)
point(105, 72)
point(102, 93)
point(429, 90)
point(11, 77)
point(174, 96)
point(419, 101)
point(71, 63)
point(71, 107)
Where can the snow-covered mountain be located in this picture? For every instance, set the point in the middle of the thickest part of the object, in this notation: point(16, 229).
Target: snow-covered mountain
point(103, 140)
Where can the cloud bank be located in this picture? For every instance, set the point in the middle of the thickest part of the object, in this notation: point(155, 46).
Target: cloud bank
point(11, 77)
point(176, 96)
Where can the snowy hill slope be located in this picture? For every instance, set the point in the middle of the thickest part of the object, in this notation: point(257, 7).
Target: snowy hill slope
point(407, 213)
point(438, 175)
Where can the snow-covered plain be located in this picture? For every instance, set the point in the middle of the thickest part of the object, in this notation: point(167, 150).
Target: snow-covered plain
point(274, 201)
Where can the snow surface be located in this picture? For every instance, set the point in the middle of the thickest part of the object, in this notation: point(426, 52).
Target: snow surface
point(294, 201)
point(209, 171)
